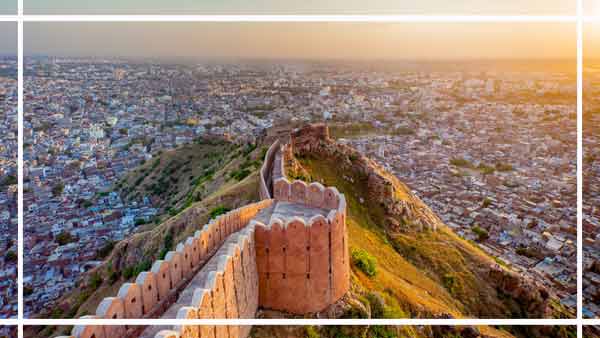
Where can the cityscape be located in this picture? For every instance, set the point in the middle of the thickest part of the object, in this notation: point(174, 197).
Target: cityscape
point(499, 171)
point(287, 170)
point(8, 188)
point(591, 192)
point(491, 152)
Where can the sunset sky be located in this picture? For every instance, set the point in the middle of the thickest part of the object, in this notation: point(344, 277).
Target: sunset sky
point(591, 40)
point(362, 41)
point(554, 7)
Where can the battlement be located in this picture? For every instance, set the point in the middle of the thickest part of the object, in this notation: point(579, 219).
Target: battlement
point(251, 257)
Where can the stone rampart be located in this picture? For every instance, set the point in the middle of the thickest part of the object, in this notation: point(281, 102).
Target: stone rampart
point(225, 245)
point(309, 257)
point(266, 171)
point(296, 261)
point(383, 188)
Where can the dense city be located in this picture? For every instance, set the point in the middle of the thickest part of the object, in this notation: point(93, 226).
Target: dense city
point(591, 193)
point(492, 152)
point(8, 189)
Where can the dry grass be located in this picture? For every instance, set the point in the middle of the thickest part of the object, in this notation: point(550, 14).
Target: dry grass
point(430, 273)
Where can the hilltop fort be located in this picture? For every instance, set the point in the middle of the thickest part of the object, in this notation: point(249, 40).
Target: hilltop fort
point(290, 252)
point(295, 238)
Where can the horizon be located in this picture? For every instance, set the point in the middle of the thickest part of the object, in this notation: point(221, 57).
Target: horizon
point(306, 40)
point(298, 7)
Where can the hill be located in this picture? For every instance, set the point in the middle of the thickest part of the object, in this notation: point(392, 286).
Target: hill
point(227, 179)
point(405, 262)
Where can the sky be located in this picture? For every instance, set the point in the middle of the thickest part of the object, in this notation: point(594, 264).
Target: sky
point(356, 41)
point(8, 38)
point(546, 7)
point(8, 7)
point(591, 40)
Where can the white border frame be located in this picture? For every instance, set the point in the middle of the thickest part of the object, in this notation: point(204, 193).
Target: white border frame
point(578, 19)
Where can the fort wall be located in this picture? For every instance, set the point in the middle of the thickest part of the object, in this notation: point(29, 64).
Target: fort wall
point(229, 292)
point(383, 187)
point(266, 171)
point(235, 264)
point(309, 257)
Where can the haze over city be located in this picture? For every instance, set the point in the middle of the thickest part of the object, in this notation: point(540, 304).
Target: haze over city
point(357, 41)
point(8, 38)
point(301, 7)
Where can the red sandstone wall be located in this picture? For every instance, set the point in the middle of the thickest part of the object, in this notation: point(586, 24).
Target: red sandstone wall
point(285, 265)
point(230, 291)
point(303, 268)
point(266, 170)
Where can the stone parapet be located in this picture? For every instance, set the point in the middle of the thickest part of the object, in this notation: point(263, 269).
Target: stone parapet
point(220, 240)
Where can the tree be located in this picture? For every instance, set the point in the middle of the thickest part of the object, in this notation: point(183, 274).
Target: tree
point(10, 256)
point(58, 189)
point(481, 233)
point(64, 238)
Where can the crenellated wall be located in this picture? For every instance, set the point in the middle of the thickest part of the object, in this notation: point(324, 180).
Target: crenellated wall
point(266, 171)
point(288, 252)
point(309, 258)
point(382, 187)
point(225, 246)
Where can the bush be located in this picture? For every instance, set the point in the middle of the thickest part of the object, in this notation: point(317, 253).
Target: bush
point(10, 256)
point(460, 162)
point(8, 180)
point(220, 210)
point(95, 281)
point(58, 189)
point(240, 174)
point(481, 233)
point(449, 281)
point(311, 332)
point(504, 167)
point(378, 331)
point(377, 304)
point(105, 250)
point(486, 169)
point(64, 238)
point(365, 262)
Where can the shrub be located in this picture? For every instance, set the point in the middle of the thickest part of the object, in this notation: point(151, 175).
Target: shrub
point(460, 162)
point(481, 233)
point(105, 250)
point(220, 210)
point(311, 332)
point(58, 189)
point(240, 174)
point(10, 256)
point(365, 262)
point(486, 169)
point(377, 304)
point(449, 281)
point(504, 167)
point(95, 281)
point(64, 238)
point(378, 331)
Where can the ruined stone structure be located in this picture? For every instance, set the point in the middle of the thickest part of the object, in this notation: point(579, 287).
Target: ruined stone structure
point(288, 252)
